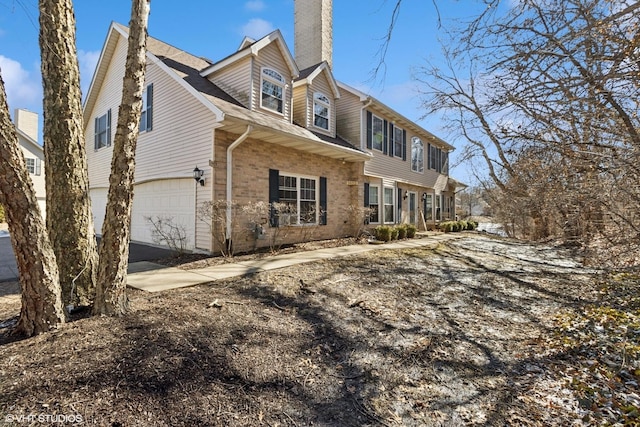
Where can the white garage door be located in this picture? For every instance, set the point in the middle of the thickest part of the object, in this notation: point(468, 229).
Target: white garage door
point(171, 199)
point(98, 207)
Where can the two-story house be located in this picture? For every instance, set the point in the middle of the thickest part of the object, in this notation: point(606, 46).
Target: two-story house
point(263, 126)
point(26, 123)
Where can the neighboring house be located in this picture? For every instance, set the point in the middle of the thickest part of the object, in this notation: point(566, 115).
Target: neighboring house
point(26, 123)
point(264, 127)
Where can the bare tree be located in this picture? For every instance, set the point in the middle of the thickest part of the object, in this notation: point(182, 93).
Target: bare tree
point(41, 302)
point(111, 297)
point(69, 217)
point(545, 95)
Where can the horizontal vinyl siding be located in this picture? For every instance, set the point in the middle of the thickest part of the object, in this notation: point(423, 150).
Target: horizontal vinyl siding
point(300, 106)
point(235, 80)
point(271, 57)
point(109, 96)
point(348, 111)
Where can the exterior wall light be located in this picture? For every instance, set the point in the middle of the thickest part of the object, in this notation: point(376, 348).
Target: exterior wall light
point(198, 175)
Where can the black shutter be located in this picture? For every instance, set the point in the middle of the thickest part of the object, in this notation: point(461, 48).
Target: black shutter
point(428, 156)
point(274, 196)
point(399, 207)
point(109, 128)
point(404, 145)
point(385, 141)
point(95, 136)
point(366, 200)
point(323, 200)
point(150, 107)
point(369, 130)
point(38, 166)
point(392, 140)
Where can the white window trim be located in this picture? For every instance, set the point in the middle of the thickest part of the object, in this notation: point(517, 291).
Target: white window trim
point(411, 158)
point(298, 189)
point(282, 83)
point(322, 103)
point(380, 217)
point(397, 153)
point(393, 204)
point(29, 168)
point(373, 119)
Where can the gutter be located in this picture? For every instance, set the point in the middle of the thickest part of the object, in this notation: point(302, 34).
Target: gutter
point(230, 149)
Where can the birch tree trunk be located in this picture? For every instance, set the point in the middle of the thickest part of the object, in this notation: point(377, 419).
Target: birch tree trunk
point(41, 304)
point(111, 298)
point(69, 216)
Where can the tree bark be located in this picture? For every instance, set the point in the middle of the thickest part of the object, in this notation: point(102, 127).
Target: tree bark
point(69, 216)
point(41, 303)
point(111, 298)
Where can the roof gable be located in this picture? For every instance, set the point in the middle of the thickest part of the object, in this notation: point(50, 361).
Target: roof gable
point(249, 48)
point(307, 75)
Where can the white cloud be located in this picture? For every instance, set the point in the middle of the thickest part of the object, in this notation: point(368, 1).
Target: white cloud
point(257, 28)
point(23, 89)
point(255, 5)
point(87, 61)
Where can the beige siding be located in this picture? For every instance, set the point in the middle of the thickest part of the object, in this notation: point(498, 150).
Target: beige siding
point(235, 80)
point(300, 106)
point(271, 57)
point(31, 152)
point(348, 117)
point(180, 140)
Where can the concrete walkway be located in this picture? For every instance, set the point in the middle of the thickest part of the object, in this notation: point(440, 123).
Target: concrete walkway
point(152, 277)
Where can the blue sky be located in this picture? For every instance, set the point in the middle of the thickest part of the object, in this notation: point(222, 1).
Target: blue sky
point(215, 28)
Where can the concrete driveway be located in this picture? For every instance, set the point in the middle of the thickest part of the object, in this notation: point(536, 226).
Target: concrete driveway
point(9, 270)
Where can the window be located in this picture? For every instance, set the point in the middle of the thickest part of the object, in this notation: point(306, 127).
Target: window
point(321, 106)
point(103, 131)
point(374, 204)
point(398, 139)
point(377, 133)
point(272, 90)
point(438, 160)
point(33, 165)
point(298, 199)
point(146, 118)
point(417, 155)
point(428, 207)
point(388, 205)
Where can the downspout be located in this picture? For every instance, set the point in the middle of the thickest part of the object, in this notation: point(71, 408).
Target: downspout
point(230, 149)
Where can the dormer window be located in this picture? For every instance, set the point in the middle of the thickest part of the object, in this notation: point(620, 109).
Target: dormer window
point(272, 90)
point(321, 106)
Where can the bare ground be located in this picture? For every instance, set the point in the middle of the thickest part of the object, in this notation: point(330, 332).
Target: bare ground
point(479, 331)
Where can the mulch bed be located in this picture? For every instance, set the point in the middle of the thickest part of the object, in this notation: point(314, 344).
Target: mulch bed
point(479, 331)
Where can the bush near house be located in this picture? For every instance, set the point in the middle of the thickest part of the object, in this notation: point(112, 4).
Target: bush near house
point(394, 233)
point(382, 233)
point(402, 231)
point(1, 213)
point(454, 226)
point(411, 231)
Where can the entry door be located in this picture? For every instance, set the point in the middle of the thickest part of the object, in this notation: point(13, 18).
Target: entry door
point(413, 218)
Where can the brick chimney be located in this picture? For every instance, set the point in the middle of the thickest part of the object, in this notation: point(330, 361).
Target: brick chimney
point(27, 122)
point(313, 27)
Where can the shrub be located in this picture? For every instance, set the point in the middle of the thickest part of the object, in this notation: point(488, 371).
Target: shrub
point(463, 225)
point(394, 233)
point(472, 225)
point(411, 231)
point(447, 226)
point(382, 233)
point(402, 231)
point(1, 213)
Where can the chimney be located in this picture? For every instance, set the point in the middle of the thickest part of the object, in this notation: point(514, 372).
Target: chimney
point(313, 28)
point(27, 122)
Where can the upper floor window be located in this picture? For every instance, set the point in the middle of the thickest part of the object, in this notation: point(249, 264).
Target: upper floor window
point(377, 132)
point(398, 139)
point(321, 106)
point(34, 166)
point(417, 155)
point(438, 160)
point(272, 90)
point(102, 129)
point(146, 118)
